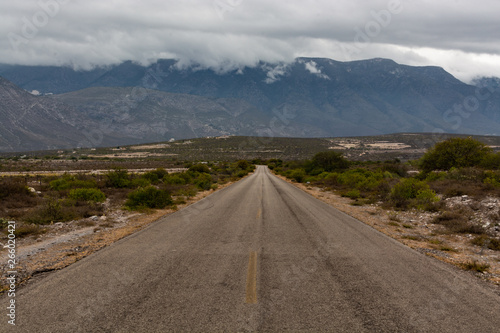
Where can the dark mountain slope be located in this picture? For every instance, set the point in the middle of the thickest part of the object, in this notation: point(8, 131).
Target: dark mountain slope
point(309, 97)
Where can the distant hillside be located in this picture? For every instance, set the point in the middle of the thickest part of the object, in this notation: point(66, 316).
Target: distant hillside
point(402, 146)
point(30, 123)
point(310, 97)
point(151, 115)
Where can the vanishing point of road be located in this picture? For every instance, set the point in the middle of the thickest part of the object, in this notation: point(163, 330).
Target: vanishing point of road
point(260, 255)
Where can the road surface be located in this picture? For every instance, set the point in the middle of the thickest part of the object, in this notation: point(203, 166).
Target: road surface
point(260, 255)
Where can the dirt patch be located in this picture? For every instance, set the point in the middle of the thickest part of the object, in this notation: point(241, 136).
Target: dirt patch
point(131, 155)
point(416, 229)
point(388, 145)
point(155, 146)
point(80, 172)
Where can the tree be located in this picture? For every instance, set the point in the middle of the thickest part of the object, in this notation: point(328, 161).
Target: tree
point(330, 161)
point(455, 153)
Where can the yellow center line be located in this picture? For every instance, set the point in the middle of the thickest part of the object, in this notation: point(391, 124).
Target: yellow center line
point(251, 293)
point(259, 213)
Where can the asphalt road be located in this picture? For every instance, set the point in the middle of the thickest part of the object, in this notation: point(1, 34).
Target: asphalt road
point(260, 255)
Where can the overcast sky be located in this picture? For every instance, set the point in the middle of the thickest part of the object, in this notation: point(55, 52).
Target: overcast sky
point(463, 36)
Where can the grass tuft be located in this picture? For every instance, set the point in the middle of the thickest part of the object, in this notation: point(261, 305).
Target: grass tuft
point(475, 266)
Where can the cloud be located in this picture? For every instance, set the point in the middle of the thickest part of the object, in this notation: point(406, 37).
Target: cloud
point(460, 35)
point(274, 73)
point(311, 66)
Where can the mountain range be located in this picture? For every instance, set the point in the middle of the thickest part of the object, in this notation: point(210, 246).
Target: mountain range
point(310, 97)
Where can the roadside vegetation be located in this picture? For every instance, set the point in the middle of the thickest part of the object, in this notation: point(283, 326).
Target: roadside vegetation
point(35, 203)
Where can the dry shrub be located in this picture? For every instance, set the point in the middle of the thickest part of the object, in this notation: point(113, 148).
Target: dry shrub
point(495, 217)
point(453, 188)
point(475, 266)
point(458, 222)
point(14, 194)
point(29, 229)
point(83, 209)
point(116, 195)
point(57, 210)
point(487, 242)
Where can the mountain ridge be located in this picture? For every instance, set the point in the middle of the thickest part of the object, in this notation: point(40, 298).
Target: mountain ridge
point(311, 97)
point(31, 122)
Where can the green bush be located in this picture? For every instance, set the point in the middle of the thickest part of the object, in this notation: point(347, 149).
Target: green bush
point(188, 191)
point(298, 175)
point(155, 176)
point(491, 161)
point(87, 194)
point(323, 175)
point(175, 179)
point(395, 168)
point(203, 181)
point(455, 153)
point(492, 178)
point(202, 168)
point(332, 177)
point(407, 189)
point(433, 176)
point(274, 164)
point(240, 173)
point(243, 165)
point(472, 174)
point(352, 194)
point(118, 178)
point(426, 198)
point(139, 182)
point(361, 179)
point(3, 223)
point(310, 179)
point(329, 161)
point(148, 197)
point(389, 175)
point(67, 182)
